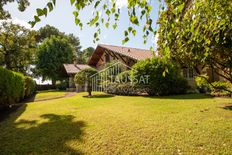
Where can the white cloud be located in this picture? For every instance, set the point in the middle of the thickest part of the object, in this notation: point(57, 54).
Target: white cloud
point(121, 3)
point(19, 22)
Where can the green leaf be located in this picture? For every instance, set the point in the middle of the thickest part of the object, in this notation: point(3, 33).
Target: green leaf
point(50, 6)
point(95, 35)
point(32, 24)
point(134, 20)
point(108, 12)
point(116, 16)
point(72, 1)
point(54, 2)
point(134, 32)
point(75, 13)
point(96, 4)
point(130, 29)
point(81, 25)
point(105, 6)
point(107, 25)
point(45, 11)
point(114, 26)
point(37, 19)
point(39, 12)
point(125, 40)
point(77, 21)
point(125, 33)
point(149, 8)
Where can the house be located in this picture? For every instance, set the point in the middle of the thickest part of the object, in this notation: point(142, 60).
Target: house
point(104, 54)
point(71, 71)
point(129, 56)
point(126, 55)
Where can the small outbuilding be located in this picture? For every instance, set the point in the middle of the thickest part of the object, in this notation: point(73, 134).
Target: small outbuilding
point(71, 70)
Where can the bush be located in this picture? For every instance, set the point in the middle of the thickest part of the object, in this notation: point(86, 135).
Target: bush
point(30, 86)
point(85, 76)
point(63, 85)
point(161, 77)
point(220, 89)
point(123, 77)
point(202, 83)
point(11, 87)
point(122, 89)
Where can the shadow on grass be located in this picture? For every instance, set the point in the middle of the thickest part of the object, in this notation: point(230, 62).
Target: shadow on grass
point(51, 136)
point(7, 111)
point(181, 97)
point(228, 107)
point(100, 96)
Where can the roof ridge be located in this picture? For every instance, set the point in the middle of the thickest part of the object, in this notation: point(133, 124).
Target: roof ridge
point(124, 47)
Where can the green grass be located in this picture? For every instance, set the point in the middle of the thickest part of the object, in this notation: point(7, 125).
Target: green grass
point(190, 124)
point(48, 95)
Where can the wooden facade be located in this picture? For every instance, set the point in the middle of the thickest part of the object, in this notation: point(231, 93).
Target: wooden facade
point(107, 53)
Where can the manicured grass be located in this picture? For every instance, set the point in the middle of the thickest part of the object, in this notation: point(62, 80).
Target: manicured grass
point(190, 124)
point(48, 95)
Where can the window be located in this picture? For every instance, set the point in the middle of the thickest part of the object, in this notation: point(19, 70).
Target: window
point(107, 58)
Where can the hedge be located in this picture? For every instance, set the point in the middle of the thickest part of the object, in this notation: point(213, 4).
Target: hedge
point(125, 89)
point(14, 87)
point(30, 87)
point(11, 87)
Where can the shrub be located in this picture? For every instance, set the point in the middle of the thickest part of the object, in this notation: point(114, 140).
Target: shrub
point(220, 88)
point(85, 76)
point(202, 83)
point(122, 89)
point(123, 77)
point(11, 87)
point(30, 86)
point(63, 85)
point(163, 77)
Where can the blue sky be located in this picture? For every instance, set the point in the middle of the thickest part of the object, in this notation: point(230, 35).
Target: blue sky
point(63, 19)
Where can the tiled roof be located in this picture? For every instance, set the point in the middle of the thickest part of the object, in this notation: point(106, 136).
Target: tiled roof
point(134, 53)
point(74, 68)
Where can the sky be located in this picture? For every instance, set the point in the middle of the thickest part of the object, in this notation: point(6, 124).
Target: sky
point(62, 18)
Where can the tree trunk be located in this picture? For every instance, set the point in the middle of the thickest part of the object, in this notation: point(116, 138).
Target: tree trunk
point(89, 88)
point(90, 93)
point(7, 61)
point(54, 83)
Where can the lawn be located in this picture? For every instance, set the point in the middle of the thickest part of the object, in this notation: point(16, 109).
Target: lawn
point(189, 124)
point(48, 95)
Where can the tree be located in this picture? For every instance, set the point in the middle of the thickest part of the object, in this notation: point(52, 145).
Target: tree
point(52, 54)
point(198, 34)
point(86, 53)
point(17, 47)
point(75, 43)
point(48, 31)
point(22, 4)
point(85, 76)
